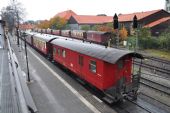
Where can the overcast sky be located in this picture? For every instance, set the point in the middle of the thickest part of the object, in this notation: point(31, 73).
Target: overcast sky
point(45, 9)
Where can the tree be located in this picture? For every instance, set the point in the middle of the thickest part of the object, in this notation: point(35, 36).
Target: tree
point(13, 15)
point(53, 23)
point(85, 27)
point(123, 34)
point(144, 38)
point(57, 23)
point(44, 24)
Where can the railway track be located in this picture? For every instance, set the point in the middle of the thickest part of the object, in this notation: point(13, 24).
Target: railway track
point(158, 59)
point(156, 86)
point(154, 68)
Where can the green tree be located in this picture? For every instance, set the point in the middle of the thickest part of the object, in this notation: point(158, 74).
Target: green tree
point(57, 23)
point(144, 38)
point(85, 27)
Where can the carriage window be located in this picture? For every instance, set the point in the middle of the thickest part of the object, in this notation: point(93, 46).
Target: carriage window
point(54, 51)
point(81, 60)
point(58, 51)
point(120, 64)
point(64, 53)
point(93, 66)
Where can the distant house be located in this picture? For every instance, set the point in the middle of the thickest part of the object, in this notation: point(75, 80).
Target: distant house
point(26, 26)
point(66, 14)
point(77, 21)
point(157, 20)
point(157, 27)
point(144, 19)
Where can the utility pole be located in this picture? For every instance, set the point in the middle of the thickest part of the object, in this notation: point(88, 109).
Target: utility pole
point(28, 74)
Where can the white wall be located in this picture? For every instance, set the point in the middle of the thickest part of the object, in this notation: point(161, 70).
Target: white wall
point(1, 36)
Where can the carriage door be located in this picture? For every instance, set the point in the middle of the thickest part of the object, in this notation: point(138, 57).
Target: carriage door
point(80, 65)
point(49, 50)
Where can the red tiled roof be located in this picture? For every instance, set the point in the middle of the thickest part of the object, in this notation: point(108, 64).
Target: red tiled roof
point(157, 22)
point(66, 14)
point(87, 19)
point(140, 15)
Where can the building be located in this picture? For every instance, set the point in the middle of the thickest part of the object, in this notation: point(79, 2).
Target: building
point(65, 14)
point(167, 5)
point(145, 19)
point(26, 26)
point(154, 19)
point(157, 27)
point(77, 21)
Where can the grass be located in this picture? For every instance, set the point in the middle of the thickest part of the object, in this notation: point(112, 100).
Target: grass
point(159, 53)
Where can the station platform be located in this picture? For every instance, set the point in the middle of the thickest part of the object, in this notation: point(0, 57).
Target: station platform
point(8, 100)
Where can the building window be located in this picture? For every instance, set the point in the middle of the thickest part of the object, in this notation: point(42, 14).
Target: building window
point(92, 66)
point(63, 53)
point(80, 60)
point(120, 64)
point(58, 51)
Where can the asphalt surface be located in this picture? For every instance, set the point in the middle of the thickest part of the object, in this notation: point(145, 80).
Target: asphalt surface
point(50, 93)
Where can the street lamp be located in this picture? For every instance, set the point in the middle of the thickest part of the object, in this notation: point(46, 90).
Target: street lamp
point(28, 74)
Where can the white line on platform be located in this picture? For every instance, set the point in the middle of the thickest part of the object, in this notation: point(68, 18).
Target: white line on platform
point(1, 72)
point(97, 99)
point(89, 105)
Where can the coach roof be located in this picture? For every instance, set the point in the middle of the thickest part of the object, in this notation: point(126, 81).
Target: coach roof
point(110, 55)
point(45, 37)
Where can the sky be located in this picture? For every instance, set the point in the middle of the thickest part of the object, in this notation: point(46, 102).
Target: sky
point(46, 9)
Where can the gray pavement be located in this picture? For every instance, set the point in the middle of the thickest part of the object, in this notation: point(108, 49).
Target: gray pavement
point(50, 93)
point(8, 102)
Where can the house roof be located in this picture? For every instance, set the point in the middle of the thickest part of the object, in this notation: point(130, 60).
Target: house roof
point(66, 14)
point(140, 15)
point(157, 22)
point(89, 19)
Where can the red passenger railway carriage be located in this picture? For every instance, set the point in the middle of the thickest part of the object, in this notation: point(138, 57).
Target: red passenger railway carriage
point(56, 32)
point(108, 69)
point(79, 34)
point(98, 37)
point(66, 33)
point(42, 43)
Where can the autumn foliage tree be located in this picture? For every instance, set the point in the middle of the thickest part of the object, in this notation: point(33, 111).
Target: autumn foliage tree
point(123, 34)
point(53, 23)
point(57, 23)
point(43, 24)
point(106, 28)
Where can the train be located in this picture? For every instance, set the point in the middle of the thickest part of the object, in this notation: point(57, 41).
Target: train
point(98, 37)
point(109, 70)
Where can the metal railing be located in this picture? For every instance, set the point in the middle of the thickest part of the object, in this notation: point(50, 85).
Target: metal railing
point(20, 94)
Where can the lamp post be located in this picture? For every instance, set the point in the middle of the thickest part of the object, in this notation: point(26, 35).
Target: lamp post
point(17, 28)
point(28, 74)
